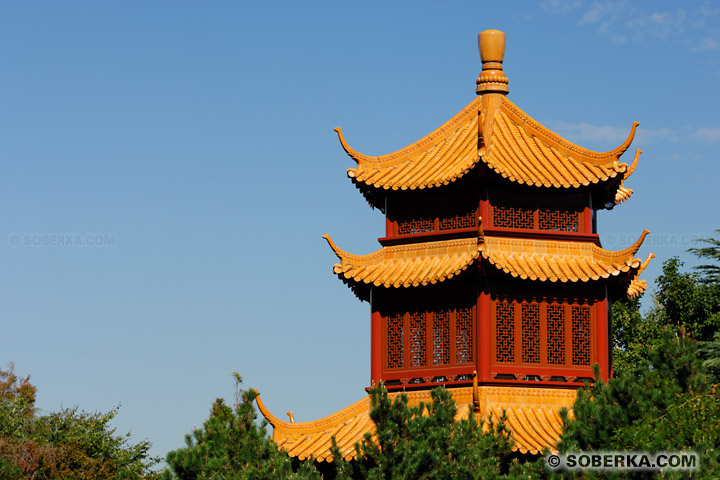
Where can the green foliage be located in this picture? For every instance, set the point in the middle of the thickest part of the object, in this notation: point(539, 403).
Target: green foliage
point(710, 273)
point(232, 446)
point(667, 404)
point(710, 352)
point(425, 442)
point(634, 336)
point(65, 444)
point(688, 302)
point(17, 403)
point(683, 301)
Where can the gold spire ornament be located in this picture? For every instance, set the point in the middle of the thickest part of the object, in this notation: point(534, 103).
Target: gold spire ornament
point(492, 51)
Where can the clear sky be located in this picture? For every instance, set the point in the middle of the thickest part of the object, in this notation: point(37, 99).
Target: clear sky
point(185, 152)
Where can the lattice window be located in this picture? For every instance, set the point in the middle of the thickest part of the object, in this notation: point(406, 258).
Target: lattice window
point(418, 340)
point(466, 220)
point(430, 337)
point(416, 225)
point(441, 338)
point(535, 216)
point(530, 333)
point(558, 220)
point(556, 335)
point(581, 335)
point(513, 217)
point(504, 332)
point(464, 335)
point(395, 342)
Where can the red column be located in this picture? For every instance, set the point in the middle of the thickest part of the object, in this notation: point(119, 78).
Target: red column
point(601, 335)
point(483, 336)
point(485, 212)
point(587, 220)
point(375, 348)
point(587, 215)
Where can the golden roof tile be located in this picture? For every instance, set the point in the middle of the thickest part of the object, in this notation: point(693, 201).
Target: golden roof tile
point(532, 416)
point(412, 265)
point(523, 151)
point(492, 129)
point(437, 159)
point(569, 261)
point(407, 265)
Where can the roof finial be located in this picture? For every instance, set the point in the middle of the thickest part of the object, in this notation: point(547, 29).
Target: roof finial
point(492, 51)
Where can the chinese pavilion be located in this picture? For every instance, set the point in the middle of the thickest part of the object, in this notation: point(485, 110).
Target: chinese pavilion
point(491, 279)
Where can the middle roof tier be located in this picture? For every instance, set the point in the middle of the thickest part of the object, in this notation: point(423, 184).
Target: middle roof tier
point(418, 264)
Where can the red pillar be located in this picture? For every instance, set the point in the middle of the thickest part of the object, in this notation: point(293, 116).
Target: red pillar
point(483, 337)
point(587, 220)
point(485, 212)
point(375, 348)
point(602, 335)
point(587, 215)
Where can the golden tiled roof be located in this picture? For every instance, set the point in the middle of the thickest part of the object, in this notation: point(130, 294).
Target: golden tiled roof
point(507, 140)
point(407, 265)
point(553, 261)
point(523, 151)
point(532, 416)
point(439, 158)
point(306, 439)
point(528, 259)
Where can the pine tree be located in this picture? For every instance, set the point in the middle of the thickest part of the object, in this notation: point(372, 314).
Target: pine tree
point(231, 445)
point(426, 442)
point(710, 272)
point(710, 352)
point(667, 404)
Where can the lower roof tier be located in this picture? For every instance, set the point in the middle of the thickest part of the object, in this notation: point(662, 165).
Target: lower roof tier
point(413, 265)
point(532, 416)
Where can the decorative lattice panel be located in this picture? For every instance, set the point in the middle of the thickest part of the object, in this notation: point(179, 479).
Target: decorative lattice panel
point(418, 340)
point(441, 338)
point(581, 335)
point(416, 225)
point(466, 220)
point(395, 342)
point(504, 332)
point(513, 217)
point(558, 220)
point(530, 333)
point(556, 335)
point(464, 335)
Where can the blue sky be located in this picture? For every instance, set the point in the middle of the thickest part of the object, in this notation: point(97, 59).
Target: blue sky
point(168, 169)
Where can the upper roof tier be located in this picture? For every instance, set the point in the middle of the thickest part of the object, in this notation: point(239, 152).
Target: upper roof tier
point(494, 131)
point(508, 141)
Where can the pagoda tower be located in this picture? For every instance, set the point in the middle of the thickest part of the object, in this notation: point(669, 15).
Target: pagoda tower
point(490, 279)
